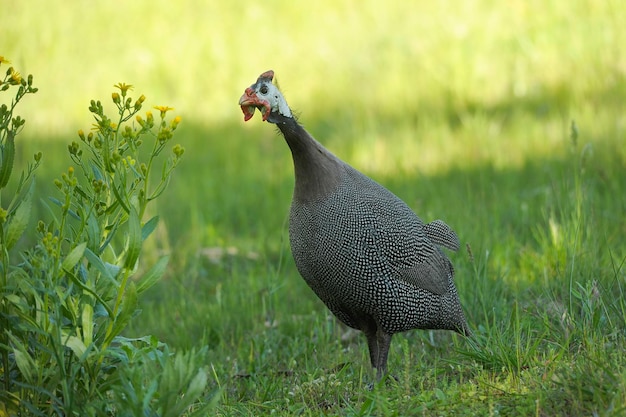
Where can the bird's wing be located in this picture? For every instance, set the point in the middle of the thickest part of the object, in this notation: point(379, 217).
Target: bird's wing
point(441, 234)
point(430, 274)
point(411, 249)
point(399, 238)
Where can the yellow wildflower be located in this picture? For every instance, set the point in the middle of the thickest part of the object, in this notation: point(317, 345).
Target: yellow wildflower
point(3, 60)
point(123, 88)
point(16, 77)
point(100, 127)
point(163, 110)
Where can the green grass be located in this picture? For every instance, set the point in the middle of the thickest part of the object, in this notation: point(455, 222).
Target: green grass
point(464, 111)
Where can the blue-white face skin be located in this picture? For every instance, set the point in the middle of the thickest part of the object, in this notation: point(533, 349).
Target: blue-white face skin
point(266, 97)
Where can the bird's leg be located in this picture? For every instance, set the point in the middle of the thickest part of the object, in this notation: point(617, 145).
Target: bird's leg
point(368, 325)
point(383, 341)
point(378, 343)
point(372, 344)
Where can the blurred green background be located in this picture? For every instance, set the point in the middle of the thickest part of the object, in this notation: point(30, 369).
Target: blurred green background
point(463, 109)
point(357, 62)
point(414, 94)
point(422, 96)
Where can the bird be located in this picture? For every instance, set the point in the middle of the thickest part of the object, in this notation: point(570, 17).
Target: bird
point(367, 256)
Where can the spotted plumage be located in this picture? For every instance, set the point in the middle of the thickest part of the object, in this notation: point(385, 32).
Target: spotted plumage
point(361, 249)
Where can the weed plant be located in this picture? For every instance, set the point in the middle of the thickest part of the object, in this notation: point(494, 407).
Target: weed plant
point(65, 301)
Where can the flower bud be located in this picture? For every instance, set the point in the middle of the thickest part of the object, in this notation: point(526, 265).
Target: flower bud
point(175, 122)
point(164, 135)
point(178, 150)
point(139, 102)
point(73, 148)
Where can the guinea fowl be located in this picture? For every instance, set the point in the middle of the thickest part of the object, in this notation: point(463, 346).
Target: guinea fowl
point(361, 249)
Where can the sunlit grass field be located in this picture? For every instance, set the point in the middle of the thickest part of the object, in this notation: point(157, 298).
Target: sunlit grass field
point(505, 119)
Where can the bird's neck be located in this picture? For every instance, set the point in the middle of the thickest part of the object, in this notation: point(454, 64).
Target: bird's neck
point(317, 170)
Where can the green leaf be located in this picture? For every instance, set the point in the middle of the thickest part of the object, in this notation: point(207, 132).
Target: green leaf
point(23, 188)
point(93, 232)
point(19, 219)
point(6, 162)
point(134, 239)
point(119, 198)
point(176, 405)
point(97, 174)
point(197, 385)
point(153, 275)
point(207, 405)
point(440, 394)
point(56, 201)
point(149, 227)
point(78, 190)
point(127, 310)
point(75, 344)
point(111, 235)
point(89, 291)
point(23, 360)
point(97, 263)
point(87, 323)
point(73, 257)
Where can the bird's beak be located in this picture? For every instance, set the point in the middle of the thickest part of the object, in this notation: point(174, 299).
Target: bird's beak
point(249, 102)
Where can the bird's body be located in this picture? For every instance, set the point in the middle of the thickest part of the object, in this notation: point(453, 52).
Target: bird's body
point(362, 250)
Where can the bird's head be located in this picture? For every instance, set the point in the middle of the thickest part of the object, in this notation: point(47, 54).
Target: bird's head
point(266, 97)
